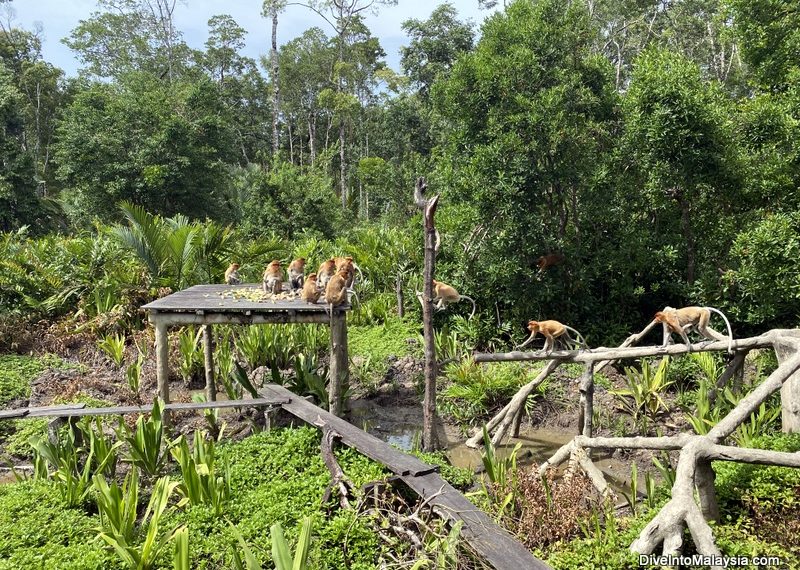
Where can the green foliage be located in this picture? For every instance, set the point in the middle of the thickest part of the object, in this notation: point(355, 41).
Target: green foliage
point(117, 505)
point(176, 252)
point(762, 281)
point(267, 197)
point(16, 373)
point(378, 343)
point(39, 529)
point(642, 397)
point(277, 346)
point(114, 347)
point(475, 390)
point(145, 555)
point(461, 478)
point(191, 361)
point(133, 373)
point(281, 554)
point(145, 442)
point(147, 141)
point(739, 483)
point(73, 475)
point(203, 479)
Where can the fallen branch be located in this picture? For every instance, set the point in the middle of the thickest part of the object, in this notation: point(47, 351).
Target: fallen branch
point(339, 481)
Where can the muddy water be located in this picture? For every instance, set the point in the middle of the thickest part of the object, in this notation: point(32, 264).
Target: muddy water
point(402, 426)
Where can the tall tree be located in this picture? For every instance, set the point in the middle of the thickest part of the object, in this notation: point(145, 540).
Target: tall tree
point(531, 111)
point(680, 140)
point(271, 9)
point(131, 35)
point(436, 44)
point(342, 15)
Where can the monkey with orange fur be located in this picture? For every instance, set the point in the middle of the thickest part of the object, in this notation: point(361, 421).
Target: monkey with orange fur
point(336, 291)
point(296, 272)
point(273, 278)
point(445, 294)
point(682, 320)
point(327, 269)
point(552, 330)
point(232, 274)
point(310, 293)
point(341, 262)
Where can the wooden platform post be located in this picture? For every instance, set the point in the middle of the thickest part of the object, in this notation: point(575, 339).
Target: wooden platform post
point(786, 349)
point(208, 358)
point(587, 400)
point(339, 368)
point(162, 362)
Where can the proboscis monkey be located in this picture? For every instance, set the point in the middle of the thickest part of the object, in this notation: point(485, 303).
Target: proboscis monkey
point(341, 262)
point(336, 291)
point(310, 293)
point(296, 273)
point(273, 278)
point(552, 330)
point(682, 320)
point(549, 260)
point(232, 274)
point(445, 294)
point(327, 269)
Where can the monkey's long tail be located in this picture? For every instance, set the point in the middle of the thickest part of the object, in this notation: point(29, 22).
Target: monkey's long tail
point(471, 300)
point(727, 324)
point(579, 335)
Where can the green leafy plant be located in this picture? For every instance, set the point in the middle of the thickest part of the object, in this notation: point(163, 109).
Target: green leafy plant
point(113, 345)
point(503, 491)
point(144, 556)
point(282, 554)
point(191, 356)
point(642, 397)
point(118, 505)
point(133, 373)
point(74, 477)
point(102, 449)
point(202, 483)
point(145, 442)
point(180, 557)
point(632, 492)
point(250, 562)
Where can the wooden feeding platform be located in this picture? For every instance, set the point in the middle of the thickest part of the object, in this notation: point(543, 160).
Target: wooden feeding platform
point(208, 305)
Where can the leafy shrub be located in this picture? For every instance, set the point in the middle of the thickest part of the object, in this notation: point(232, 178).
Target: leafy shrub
point(377, 343)
point(477, 390)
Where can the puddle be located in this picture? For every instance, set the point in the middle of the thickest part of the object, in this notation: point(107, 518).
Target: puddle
point(402, 426)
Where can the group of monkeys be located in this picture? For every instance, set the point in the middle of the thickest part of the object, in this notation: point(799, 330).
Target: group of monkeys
point(333, 280)
point(679, 321)
point(336, 277)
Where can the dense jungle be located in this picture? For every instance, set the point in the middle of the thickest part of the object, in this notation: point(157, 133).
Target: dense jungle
point(595, 162)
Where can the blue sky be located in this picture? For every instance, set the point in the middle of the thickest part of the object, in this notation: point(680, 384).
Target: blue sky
point(59, 17)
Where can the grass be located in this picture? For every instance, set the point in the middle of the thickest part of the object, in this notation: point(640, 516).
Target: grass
point(376, 343)
point(17, 372)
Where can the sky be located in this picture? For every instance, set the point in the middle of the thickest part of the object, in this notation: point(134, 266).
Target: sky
point(59, 17)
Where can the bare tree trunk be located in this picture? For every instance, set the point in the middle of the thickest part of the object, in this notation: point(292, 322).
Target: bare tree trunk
point(275, 87)
point(398, 289)
point(342, 167)
point(429, 440)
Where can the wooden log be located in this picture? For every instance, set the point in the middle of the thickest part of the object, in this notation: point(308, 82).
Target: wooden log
point(587, 399)
point(786, 349)
point(630, 341)
point(600, 354)
point(208, 361)
point(339, 363)
point(495, 545)
point(430, 440)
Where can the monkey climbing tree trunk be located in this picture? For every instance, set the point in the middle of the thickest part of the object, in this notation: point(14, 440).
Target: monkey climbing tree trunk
point(429, 440)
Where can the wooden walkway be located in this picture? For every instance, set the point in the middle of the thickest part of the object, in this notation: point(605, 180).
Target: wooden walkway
point(495, 545)
point(80, 410)
point(207, 305)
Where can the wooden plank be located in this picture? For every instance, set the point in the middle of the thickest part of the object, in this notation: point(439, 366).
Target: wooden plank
point(494, 544)
point(79, 410)
point(209, 298)
point(398, 462)
point(47, 410)
point(490, 541)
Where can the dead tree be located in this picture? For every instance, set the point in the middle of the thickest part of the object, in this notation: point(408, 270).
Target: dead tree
point(694, 471)
point(428, 206)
